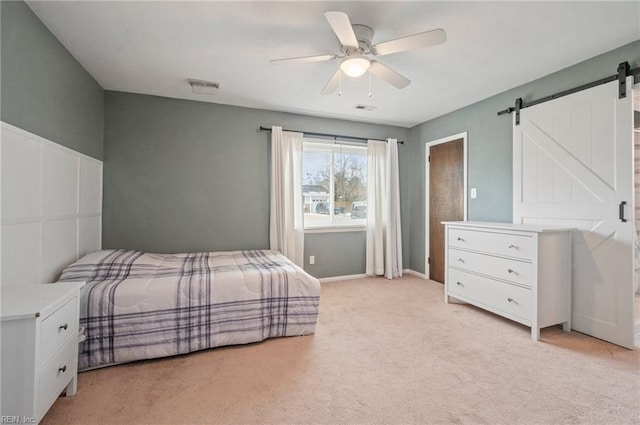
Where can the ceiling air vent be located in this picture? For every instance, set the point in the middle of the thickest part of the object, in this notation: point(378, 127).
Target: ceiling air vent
point(203, 87)
point(365, 107)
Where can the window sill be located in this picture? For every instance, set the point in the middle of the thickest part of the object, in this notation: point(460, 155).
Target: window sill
point(335, 229)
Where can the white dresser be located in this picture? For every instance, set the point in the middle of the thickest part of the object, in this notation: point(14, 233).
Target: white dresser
point(521, 272)
point(39, 340)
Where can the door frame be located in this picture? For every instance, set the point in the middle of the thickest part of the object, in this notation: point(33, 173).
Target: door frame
point(465, 162)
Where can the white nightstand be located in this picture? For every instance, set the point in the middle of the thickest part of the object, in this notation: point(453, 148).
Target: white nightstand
point(39, 343)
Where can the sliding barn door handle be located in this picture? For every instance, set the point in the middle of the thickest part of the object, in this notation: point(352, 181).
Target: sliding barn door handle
point(621, 211)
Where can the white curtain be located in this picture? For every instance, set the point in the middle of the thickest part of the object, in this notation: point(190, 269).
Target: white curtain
point(376, 193)
point(286, 228)
point(384, 236)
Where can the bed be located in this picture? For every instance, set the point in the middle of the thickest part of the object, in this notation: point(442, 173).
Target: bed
point(139, 305)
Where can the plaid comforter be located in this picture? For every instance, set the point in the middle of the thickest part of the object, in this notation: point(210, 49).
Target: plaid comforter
point(139, 306)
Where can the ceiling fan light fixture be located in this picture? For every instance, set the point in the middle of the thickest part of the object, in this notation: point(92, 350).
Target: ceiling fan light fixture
point(355, 66)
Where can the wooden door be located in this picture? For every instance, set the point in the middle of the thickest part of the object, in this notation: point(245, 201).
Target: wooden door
point(573, 166)
point(446, 198)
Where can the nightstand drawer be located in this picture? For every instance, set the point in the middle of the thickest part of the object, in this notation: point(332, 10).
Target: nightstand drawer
point(56, 374)
point(511, 245)
point(56, 329)
point(502, 268)
point(503, 297)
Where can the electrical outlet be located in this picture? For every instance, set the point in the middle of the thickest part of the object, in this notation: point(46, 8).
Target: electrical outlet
point(312, 259)
point(474, 193)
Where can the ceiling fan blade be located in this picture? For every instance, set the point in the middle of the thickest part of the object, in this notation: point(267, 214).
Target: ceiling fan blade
point(389, 75)
point(415, 41)
point(333, 83)
point(317, 58)
point(341, 25)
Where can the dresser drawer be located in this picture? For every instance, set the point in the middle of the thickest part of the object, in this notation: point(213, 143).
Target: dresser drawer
point(485, 292)
point(56, 374)
point(502, 268)
point(518, 246)
point(56, 329)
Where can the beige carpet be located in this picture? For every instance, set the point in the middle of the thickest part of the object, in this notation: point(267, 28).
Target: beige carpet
point(385, 352)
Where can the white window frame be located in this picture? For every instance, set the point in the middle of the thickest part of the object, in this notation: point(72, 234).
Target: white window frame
point(320, 145)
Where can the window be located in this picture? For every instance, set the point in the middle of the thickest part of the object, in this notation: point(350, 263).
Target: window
point(334, 184)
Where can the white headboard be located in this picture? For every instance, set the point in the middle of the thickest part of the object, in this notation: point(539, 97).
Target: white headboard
point(50, 207)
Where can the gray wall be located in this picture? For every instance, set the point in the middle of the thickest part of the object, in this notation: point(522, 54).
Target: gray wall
point(490, 144)
point(44, 90)
point(181, 175)
point(331, 250)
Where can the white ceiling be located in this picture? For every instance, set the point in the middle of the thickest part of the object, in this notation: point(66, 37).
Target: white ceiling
point(154, 47)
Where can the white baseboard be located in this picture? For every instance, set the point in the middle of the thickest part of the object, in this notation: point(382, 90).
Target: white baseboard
point(360, 276)
point(415, 273)
point(335, 278)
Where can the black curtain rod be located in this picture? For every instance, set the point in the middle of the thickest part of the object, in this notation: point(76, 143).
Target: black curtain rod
point(623, 72)
point(333, 136)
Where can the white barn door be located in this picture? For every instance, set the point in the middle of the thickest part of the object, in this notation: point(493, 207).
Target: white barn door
point(573, 165)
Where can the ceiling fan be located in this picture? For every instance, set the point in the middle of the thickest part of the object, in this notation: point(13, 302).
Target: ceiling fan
point(356, 49)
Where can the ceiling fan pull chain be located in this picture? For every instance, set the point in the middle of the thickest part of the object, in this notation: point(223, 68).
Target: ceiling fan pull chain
point(340, 85)
point(370, 92)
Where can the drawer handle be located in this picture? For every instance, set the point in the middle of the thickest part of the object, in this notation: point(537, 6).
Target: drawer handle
point(510, 300)
point(63, 369)
point(460, 260)
point(460, 239)
point(511, 271)
point(459, 284)
point(65, 326)
point(510, 245)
